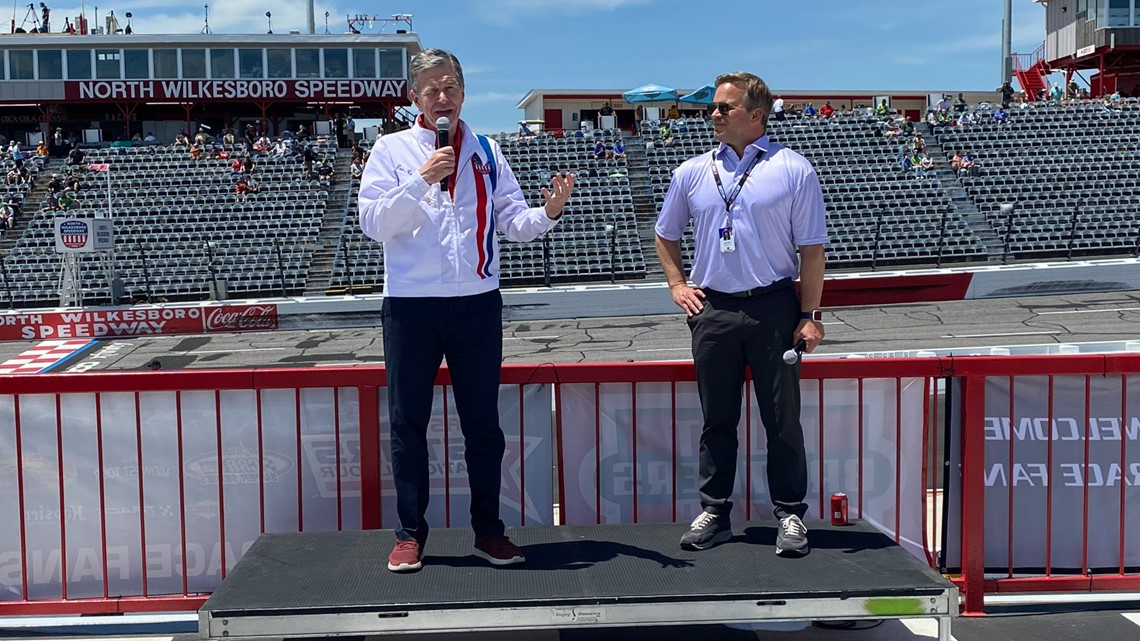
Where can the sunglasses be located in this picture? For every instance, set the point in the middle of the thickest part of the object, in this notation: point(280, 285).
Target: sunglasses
point(723, 107)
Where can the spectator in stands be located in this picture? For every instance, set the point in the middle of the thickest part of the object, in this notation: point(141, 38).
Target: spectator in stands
point(778, 108)
point(195, 152)
point(149, 138)
point(262, 145)
point(228, 137)
point(56, 184)
point(181, 140)
point(236, 167)
point(356, 169)
point(674, 112)
point(638, 117)
point(969, 165)
point(1001, 116)
point(619, 149)
point(325, 175)
point(41, 149)
point(882, 109)
point(666, 132)
point(281, 149)
point(14, 177)
point(810, 111)
point(927, 162)
point(13, 206)
point(302, 134)
point(243, 188)
point(599, 150)
point(960, 103)
point(202, 137)
point(931, 120)
point(1073, 91)
point(247, 165)
point(454, 314)
point(7, 221)
point(1055, 93)
point(308, 156)
point(956, 161)
point(827, 110)
point(907, 126)
point(918, 143)
point(891, 128)
point(606, 110)
point(65, 200)
point(1006, 94)
point(944, 103)
point(250, 135)
point(916, 164)
point(1115, 97)
point(525, 133)
point(743, 309)
point(75, 157)
point(72, 183)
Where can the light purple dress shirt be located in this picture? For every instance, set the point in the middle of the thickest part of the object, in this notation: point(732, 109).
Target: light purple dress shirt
point(779, 209)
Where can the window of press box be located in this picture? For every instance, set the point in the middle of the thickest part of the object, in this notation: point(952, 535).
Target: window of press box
point(107, 64)
point(364, 63)
point(391, 63)
point(336, 63)
point(20, 65)
point(280, 63)
point(50, 62)
point(251, 63)
point(193, 63)
point(222, 63)
point(165, 63)
point(136, 63)
point(79, 65)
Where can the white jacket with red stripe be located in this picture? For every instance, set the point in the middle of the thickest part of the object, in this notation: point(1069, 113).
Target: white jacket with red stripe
point(433, 245)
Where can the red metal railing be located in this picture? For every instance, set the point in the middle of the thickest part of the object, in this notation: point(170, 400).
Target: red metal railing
point(903, 394)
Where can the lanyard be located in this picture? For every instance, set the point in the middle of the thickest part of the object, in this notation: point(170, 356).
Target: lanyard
point(731, 198)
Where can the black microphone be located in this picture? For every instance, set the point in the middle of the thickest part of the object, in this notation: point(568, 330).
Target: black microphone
point(443, 127)
point(793, 354)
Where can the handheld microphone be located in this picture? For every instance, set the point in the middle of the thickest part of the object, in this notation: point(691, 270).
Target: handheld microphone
point(443, 130)
point(793, 354)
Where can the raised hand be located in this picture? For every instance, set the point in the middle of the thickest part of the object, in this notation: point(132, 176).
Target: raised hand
point(561, 187)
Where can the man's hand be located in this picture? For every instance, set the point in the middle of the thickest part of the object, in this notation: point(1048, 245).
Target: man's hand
point(811, 332)
point(440, 164)
point(561, 186)
point(687, 298)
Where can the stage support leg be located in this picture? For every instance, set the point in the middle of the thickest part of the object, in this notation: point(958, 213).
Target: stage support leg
point(944, 629)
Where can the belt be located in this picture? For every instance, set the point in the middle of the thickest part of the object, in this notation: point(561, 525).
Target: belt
point(783, 283)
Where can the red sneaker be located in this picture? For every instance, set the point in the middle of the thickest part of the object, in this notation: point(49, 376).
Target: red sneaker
point(498, 550)
point(405, 556)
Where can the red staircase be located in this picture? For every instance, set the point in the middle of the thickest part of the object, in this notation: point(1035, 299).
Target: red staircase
point(1029, 69)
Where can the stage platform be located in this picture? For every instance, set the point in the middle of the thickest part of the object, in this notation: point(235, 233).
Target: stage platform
point(337, 583)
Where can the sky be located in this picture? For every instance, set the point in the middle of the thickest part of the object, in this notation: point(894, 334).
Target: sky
point(508, 47)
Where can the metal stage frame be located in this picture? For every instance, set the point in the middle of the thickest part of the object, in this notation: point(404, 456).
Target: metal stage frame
point(336, 583)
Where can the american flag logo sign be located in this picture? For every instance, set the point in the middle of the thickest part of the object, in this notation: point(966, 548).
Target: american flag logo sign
point(73, 233)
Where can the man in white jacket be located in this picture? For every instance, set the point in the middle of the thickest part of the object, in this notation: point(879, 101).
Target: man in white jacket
point(436, 211)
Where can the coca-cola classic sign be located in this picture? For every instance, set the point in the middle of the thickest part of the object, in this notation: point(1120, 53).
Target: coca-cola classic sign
point(138, 321)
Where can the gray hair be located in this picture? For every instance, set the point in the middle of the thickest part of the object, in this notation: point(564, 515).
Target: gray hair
point(431, 59)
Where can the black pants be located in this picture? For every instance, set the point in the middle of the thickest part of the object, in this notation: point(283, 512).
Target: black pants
point(418, 334)
point(728, 334)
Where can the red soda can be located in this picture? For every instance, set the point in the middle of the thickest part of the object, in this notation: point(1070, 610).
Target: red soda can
point(839, 509)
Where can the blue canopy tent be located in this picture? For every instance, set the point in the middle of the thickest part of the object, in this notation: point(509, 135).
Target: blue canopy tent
point(650, 93)
point(702, 96)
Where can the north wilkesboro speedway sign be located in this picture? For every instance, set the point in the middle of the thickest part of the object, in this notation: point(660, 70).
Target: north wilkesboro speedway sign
point(218, 90)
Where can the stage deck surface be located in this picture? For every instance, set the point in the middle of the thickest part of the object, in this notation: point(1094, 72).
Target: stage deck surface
point(316, 584)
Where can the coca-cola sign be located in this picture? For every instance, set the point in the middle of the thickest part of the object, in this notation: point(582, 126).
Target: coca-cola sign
point(244, 318)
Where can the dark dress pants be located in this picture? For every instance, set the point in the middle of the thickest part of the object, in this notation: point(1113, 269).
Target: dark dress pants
point(418, 334)
point(728, 334)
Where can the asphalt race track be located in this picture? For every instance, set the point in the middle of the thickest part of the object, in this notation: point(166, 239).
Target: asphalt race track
point(962, 327)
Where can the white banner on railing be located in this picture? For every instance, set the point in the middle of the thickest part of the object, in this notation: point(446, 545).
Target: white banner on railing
point(299, 465)
point(666, 474)
point(1017, 467)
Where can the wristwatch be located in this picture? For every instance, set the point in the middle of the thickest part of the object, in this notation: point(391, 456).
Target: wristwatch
point(814, 315)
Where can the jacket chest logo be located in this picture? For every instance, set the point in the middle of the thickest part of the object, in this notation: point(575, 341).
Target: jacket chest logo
point(480, 167)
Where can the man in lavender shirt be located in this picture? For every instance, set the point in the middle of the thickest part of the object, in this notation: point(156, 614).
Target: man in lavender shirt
point(752, 203)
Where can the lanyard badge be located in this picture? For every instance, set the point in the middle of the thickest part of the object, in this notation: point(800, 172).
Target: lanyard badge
point(727, 234)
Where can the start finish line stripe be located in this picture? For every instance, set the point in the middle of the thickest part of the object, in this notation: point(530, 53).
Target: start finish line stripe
point(45, 356)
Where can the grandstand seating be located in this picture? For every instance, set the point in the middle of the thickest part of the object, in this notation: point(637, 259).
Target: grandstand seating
point(1067, 170)
point(1050, 162)
point(166, 208)
point(863, 187)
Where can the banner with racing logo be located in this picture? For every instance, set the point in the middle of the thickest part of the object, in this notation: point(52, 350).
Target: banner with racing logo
point(1079, 438)
point(162, 503)
point(142, 321)
point(616, 474)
